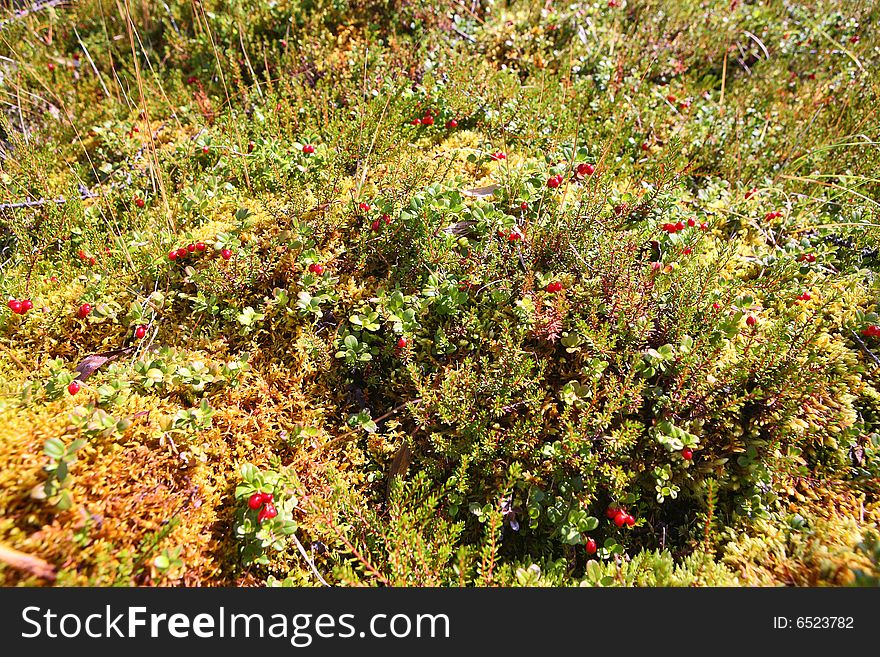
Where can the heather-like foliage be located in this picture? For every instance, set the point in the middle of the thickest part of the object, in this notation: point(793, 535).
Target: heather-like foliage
point(514, 295)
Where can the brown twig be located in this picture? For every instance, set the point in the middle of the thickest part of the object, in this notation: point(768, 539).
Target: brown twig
point(28, 563)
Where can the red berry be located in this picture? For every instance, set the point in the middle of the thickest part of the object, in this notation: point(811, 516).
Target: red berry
point(375, 226)
point(687, 454)
point(751, 321)
point(692, 222)
point(401, 343)
point(751, 193)
point(514, 236)
point(73, 388)
point(200, 246)
point(670, 98)
point(451, 124)
point(14, 306)
point(416, 122)
point(181, 252)
point(629, 520)
point(645, 146)
point(84, 310)
point(191, 248)
point(50, 66)
point(92, 260)
point(205, 150)
point(364, 207)
point(553, 182)
point(656, 266)
point(427, 120)
point(585, 169)
point(226, 254)
point(53, 279)
point(26, 305)
point(553, 287)
point(854, 38)
point(679, 226)
point(704, 226)
point(386, 218)
point(611, 512)
point(256, 500)
point(590, 545)
point(308, 149)
point(687, 250)
point(620, 518)
point(523, 206)
point(805, 296)
point(716, 306)
point(172, 255)
point(267, 512)
point(140, 332)
point(498, 155)
point(139, 202)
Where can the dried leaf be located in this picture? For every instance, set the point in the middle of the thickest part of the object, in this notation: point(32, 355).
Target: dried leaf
point(399, 466)
point(92, 362)
point(460, 228)
point(480, 192)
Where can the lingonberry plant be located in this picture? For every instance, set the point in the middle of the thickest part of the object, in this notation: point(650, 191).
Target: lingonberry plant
point(514, 303)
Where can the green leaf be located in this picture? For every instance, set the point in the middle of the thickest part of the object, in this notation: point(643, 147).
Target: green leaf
point(54, 448)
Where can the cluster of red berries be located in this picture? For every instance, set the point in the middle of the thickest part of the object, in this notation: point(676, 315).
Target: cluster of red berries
point(316, 268)
point(619, 516)
point(585, 169)
point(198, 247)
point(515, 235)
point(681, 225)
point(498, 155)
point(770, 216)
point(308, 149)
point(377, 223)
point(806, 257)
point(871, 331)
point(805, 296)
point(267, 502)
point(554, 287)
point(554, 181)
point(19, 307)
point(85, 256)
